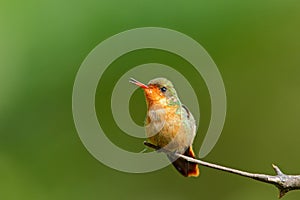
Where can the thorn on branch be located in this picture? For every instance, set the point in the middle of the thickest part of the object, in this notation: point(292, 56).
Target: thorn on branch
point(277, 170)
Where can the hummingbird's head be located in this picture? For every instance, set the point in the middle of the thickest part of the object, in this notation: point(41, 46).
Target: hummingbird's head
point(159, 90)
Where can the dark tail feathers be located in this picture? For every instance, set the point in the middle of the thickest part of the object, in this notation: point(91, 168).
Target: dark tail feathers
point(185, 167)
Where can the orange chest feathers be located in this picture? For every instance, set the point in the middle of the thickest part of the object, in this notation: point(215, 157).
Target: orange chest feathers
point(163, 124)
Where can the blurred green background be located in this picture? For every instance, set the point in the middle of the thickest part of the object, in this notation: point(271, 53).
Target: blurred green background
point(255, 44)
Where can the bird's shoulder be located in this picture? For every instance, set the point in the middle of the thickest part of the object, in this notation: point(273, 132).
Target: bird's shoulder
point(187, 112)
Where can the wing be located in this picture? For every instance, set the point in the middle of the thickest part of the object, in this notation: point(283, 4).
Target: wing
point(190, 123)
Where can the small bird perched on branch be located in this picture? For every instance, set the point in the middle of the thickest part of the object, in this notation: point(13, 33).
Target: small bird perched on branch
point(169, 124)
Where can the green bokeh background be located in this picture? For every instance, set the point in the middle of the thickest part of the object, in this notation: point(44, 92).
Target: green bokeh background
point(255, 44)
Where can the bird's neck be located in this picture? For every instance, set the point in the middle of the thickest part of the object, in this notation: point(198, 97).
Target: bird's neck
point(164, 103)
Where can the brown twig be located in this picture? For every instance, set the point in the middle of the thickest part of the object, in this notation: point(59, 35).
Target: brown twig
point(283, 182)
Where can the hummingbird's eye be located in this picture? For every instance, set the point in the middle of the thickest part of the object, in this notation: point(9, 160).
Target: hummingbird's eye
point(163, 89)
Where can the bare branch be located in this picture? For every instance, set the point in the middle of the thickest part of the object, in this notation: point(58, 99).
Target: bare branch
point(283, 182)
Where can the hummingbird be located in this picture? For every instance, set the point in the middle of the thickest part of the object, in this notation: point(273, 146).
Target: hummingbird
point(169, 124)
